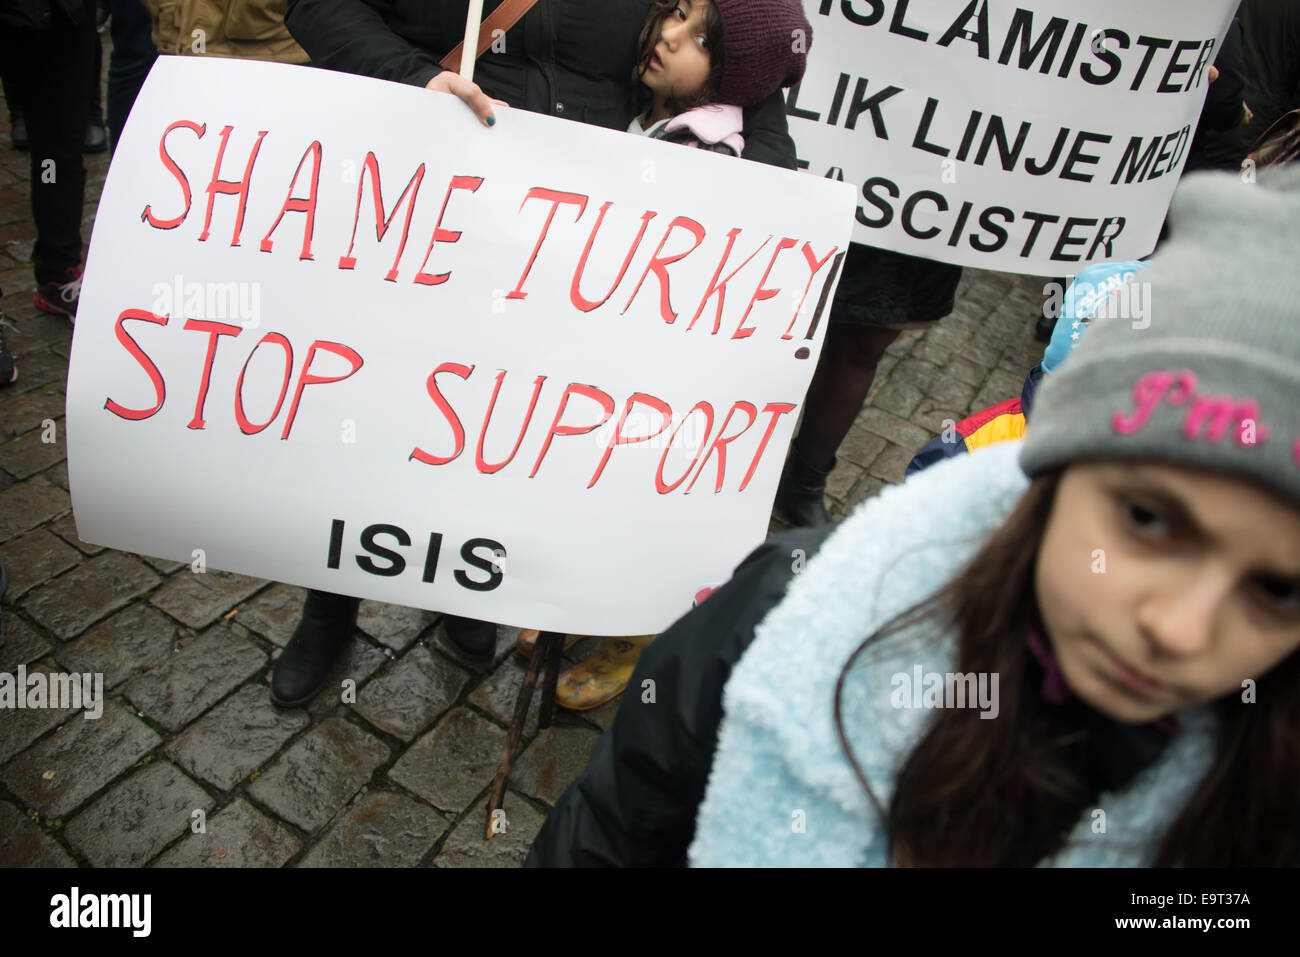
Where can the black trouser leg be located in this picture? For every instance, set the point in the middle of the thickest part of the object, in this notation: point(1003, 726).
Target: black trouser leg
point(132, 57)
point(52, 69)
point(11, 95)
point(1053, 297)
point(95, 103)
point(326, 603)
point(840, 384)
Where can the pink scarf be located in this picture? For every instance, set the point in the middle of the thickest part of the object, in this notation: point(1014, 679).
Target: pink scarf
point(1057, 691)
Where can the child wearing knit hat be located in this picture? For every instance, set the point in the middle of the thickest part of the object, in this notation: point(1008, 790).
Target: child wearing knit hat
point(1081, 648)
point(700, 62)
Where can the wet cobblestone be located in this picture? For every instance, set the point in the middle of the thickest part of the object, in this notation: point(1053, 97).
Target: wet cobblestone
point(137, 818)
point(389, 764)
point(317, 776)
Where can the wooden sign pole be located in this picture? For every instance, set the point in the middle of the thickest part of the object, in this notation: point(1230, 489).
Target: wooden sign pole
point(469, 48)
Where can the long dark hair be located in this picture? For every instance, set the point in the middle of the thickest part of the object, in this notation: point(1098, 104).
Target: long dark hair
point(645, 48)
point(1008, 792)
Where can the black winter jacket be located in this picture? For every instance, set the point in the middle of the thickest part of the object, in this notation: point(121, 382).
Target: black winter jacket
point(569, 58)
point(635, 804)
point(45, 14)
point(1224, 101)
point(1270, 31)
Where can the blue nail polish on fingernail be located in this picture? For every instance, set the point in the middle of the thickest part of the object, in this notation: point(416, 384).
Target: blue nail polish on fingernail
point(491, 121)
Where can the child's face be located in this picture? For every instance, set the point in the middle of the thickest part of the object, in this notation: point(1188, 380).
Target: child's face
point(681, 63)
point(1162, 587)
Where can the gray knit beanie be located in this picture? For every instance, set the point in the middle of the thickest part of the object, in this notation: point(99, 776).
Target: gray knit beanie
point(764, 48)
point(1203, 369)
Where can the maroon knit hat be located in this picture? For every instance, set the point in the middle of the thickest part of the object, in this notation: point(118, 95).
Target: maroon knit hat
point(765, 48)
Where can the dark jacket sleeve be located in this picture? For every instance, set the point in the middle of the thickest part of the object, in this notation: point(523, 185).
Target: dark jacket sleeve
point(635, 803)
point(1224, 102)
point(933, 452)
point(767, 134)
point(353, 37)
point(44, 14)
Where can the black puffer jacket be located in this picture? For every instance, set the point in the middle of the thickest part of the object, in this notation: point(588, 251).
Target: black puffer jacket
point(1270, 32)
point(1225, 104)
point(568, 58)
point(635, 804)
point(45, 14)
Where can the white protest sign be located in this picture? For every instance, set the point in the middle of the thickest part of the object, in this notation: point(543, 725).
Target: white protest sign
point(1032, 137)
point(336, 333)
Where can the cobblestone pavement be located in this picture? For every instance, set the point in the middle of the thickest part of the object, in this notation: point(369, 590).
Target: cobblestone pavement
point(399, 777)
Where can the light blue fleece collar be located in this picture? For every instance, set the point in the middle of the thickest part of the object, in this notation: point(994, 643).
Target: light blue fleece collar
point(779, 766)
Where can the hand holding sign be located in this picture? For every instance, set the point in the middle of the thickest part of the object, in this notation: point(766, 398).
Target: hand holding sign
point(469, 92)
point(531, 353)
point(462, 59)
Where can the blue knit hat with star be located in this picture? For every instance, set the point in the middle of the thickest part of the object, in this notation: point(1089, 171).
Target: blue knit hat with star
point(1089, 294)
point(1197, 362)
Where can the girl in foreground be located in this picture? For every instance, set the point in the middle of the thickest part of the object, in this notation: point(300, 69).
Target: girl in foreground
point(1080, 648)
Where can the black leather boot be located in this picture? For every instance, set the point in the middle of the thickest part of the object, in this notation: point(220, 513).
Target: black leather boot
point(799, 496)
point(305, 663)
point(1043, 327)
point(474, 639)
point(18, 135)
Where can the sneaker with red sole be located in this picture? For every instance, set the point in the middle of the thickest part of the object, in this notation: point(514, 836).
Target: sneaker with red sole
point(60, 298)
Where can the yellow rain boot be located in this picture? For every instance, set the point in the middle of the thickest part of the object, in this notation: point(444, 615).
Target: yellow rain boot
point(527, 640)
point(603, 676)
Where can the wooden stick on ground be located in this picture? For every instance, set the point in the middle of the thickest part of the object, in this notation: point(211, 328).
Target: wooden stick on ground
point(541, 650)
